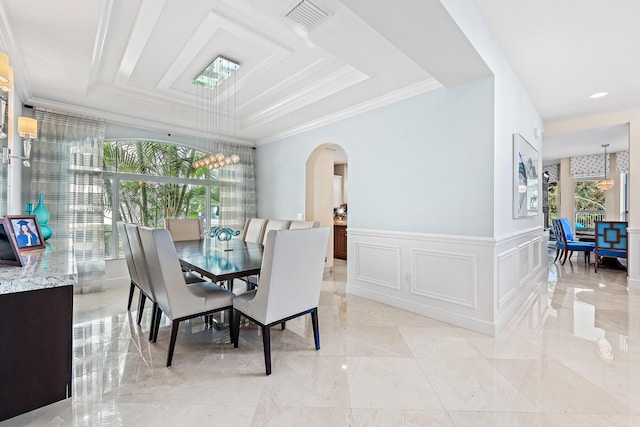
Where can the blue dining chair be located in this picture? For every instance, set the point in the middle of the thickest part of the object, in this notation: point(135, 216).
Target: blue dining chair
point(611, 240)
point(566, 247)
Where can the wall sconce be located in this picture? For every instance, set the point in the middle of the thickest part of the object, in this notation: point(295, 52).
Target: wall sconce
point(5, 69)
point(28, 131)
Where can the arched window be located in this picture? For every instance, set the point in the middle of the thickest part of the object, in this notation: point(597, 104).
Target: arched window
point(148, 181)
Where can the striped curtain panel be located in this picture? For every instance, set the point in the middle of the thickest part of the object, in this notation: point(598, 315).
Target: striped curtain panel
point(67, 170)
point(237, 188)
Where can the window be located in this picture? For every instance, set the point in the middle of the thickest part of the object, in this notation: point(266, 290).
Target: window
point(147, 181)
point(589, 205)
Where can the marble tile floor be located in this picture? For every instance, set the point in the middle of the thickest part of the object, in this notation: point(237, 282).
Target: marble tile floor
point(568, 359)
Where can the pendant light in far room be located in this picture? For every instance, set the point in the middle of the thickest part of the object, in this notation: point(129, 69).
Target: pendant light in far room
point(605, 184)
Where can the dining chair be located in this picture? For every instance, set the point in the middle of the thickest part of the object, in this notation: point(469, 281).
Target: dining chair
point(271, 224)
point(290, 282)
point(177, 300)
point(611, 240)
point(142, 271)
point(566, 247)
point(253, 229)
point(183, 229)
point(296, 224)
point(274, 224)
point(147, 290)
point(126, 247)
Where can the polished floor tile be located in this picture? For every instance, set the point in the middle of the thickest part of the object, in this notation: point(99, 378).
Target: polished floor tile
point(568, 359)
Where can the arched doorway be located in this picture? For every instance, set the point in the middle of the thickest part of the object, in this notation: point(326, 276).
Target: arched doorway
point(327, 161)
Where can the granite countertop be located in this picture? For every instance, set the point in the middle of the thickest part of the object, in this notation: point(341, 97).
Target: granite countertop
point(44, 268)
point(339, 222)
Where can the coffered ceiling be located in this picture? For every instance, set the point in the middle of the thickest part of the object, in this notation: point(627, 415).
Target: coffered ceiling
point(132, 62)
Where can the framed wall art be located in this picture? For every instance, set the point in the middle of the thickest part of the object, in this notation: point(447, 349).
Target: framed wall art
point(526, 182)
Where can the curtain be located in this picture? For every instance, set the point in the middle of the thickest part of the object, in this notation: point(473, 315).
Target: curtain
point(554, 172)
point(622, 161)
point(67, 171)
point(237, 188)
point(590, 166)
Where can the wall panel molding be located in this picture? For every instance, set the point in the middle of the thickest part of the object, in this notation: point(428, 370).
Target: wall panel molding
point(378, 264)
point(473, 282)
point(434, 274)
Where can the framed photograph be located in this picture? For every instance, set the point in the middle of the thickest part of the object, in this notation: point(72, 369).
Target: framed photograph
point(26, 231)
point(526, 182)
point(9, 252)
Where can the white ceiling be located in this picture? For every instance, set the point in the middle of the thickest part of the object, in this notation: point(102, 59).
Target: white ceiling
point(132, 62)
point(566, 50)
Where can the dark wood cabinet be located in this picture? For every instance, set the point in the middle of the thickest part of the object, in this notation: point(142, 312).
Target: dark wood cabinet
point(35, 361)
point(340, 241)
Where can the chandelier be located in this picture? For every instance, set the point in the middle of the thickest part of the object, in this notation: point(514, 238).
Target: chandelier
point(216, 161)
point(216, 109)
point(605, 184)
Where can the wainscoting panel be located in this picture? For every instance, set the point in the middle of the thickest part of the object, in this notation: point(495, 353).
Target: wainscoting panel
point(524, 263)
point(536, 253)
point(445, 276)
point(474, 282)
point(633, 258)
point(507, 275)
point(378, 264)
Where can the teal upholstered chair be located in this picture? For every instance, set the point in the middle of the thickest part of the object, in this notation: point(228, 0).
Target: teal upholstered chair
point(611, 240)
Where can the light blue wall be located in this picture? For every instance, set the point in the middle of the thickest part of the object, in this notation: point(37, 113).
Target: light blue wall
point(424, 164)
point(514, 113)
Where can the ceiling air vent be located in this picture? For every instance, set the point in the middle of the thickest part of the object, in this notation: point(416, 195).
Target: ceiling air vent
point(307, 14)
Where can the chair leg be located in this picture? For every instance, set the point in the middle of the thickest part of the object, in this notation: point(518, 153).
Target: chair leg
point(231, 328)
point(154, 314)
point(567, 254)
point(132, 290)
point(316, 330)
point(235, 328)
point(557, 254)
point(143, 298)
point(172, 342)
point(156, 327)
point(266, 342)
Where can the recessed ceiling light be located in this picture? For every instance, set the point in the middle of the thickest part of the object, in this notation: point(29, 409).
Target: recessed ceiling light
point(599, 95)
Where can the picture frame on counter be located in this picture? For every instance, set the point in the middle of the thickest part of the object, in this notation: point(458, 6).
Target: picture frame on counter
point(26, 231)
point(9, 251)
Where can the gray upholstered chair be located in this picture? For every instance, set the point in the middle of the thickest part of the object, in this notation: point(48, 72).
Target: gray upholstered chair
point(144, 281)
point(274, 224)
point(290, 282)
point(271, 224)
point(183, 229)
point(296, 224)
point(177, 300)
point(253, 230)
point(126, 247)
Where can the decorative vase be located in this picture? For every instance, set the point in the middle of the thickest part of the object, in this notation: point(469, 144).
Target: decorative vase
point(43, 216)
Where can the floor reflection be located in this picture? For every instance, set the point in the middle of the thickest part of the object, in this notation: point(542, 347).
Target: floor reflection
point(567, 359)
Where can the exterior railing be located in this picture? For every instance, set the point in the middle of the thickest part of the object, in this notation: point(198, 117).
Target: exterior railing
point(588, 219)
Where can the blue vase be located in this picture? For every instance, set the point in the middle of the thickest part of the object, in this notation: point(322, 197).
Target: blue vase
point(43, 216)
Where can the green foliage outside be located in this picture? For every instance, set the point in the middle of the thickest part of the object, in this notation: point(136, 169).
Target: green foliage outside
point(588, 197)
point(147, 202)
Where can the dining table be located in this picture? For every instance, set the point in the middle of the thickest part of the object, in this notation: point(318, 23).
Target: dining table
point(220, 261)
